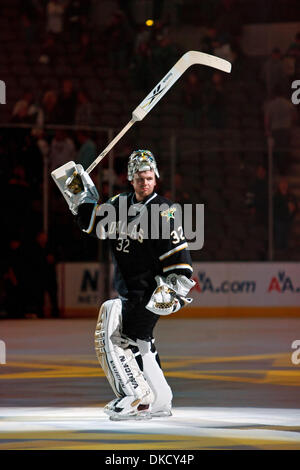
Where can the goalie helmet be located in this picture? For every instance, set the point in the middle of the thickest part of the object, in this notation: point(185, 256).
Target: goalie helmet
point(141, 160)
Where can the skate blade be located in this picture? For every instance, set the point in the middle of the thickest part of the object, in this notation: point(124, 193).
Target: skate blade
point(138, 417)
point(161, 414)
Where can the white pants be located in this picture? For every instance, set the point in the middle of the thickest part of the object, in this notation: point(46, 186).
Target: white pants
point(154, 376)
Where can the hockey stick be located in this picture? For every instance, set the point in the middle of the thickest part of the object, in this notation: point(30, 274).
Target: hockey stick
point(188, 59)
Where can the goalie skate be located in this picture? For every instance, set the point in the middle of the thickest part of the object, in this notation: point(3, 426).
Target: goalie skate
point(127, 408)
point(163, 413)
point(142, 412)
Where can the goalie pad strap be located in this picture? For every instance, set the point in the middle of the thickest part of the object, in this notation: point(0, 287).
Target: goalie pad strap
point(116, 355)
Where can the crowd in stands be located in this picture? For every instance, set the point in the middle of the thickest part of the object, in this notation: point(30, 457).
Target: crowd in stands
point(56, 122)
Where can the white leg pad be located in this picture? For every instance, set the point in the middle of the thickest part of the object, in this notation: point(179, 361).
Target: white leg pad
point(155, 378)
point(117, 359)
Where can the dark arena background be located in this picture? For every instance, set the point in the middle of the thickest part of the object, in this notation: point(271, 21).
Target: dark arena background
point(72, 72)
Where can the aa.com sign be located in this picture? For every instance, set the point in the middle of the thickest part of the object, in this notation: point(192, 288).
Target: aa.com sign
point(247, 284)
point(2, 92)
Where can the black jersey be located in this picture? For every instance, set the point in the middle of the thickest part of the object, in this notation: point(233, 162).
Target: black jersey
point(146, 244)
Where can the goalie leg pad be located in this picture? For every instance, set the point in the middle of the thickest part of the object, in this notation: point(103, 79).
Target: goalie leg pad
point(117, 356)
point(156, 379)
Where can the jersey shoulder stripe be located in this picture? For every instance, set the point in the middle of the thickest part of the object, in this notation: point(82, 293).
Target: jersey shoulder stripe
point(114, 199)
point(175, 250)
point(177, 266)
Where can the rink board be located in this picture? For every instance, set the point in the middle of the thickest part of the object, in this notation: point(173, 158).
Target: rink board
point(221, 290)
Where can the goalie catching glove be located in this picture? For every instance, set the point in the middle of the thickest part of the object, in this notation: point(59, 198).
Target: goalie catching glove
point(170, 294)
point(79, 189)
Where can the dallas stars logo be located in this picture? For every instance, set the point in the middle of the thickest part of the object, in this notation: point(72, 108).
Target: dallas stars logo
point(169, 213)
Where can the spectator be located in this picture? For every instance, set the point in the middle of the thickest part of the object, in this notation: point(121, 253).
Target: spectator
point(181, 195)
point(32, 162)
point(225, 52)
point(109, 181)
point(164, 55)
point(210, 40)
point(294, 53)
point(17, 196)
point(5, 162)
point(86, 53)
point(43, 276)
point(66, 104)
point(62, 150)
point(273, 73)
point(175, 13)
point(34, 9)
point(48, 50)
point(257, 197)
point(119, 178)
point(207, 11)
point(215, 101)
point(141, 69)
point(87, 152)
point(192, 101)
point(121, 182)
point(217, 43)
point(29, 30)
point(285, 208)
point(26, 112)
point(15, 274)
point(229, 18)
point(127, 9)
point(119, 40)
point(49, 106)
point(84, 111)
point(74, 13)
point(142, 35)
point(279, 117)
point(55, 16)
point(41, 142)
point(40, 148)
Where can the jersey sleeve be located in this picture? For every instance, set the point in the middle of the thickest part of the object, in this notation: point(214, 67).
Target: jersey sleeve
point(88, 216)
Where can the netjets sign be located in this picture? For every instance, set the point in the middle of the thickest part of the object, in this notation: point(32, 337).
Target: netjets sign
point(2, 92)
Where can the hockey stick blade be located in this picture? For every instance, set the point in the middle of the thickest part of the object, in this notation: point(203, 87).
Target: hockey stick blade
point(187, 60)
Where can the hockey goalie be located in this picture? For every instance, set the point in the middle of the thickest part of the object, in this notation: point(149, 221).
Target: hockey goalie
point(152, 275)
